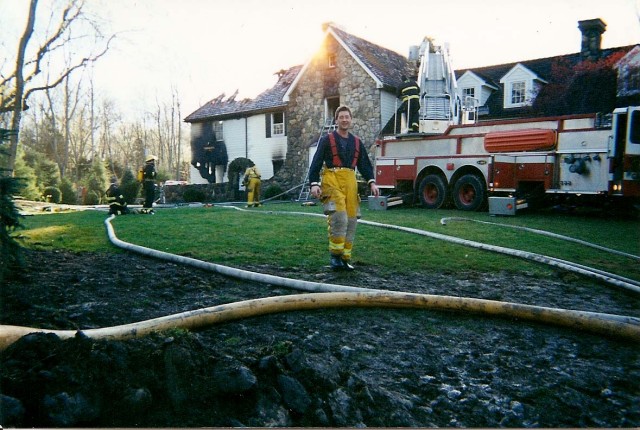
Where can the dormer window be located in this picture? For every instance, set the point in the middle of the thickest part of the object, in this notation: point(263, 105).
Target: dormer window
point(521, 85)
point(518, 92)
point(468, 92)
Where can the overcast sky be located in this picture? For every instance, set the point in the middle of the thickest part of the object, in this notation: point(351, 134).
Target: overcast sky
point(203, 48)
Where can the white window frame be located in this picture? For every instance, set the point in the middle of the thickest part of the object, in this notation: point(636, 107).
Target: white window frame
point(469, 92)
point(518, 93)
point(218, 130)
point(277, 128)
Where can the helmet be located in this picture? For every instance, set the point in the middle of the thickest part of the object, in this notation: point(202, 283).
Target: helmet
point(151, 158)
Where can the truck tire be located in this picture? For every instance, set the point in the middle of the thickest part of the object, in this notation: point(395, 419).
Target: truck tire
point(432, 192)
point(469, 193)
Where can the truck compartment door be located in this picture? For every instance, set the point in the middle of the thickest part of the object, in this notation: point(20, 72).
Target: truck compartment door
point(390, 171)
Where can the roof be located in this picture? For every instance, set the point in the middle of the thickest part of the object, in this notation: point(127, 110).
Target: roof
point(385, 66)
point(542, 67)
point(269, 100)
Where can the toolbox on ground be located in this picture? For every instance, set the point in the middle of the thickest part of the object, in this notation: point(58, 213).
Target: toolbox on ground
point(382, 203)
point(505, 205)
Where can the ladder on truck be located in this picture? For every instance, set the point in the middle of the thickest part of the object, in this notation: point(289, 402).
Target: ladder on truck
point(328, 126)
point(439, 100)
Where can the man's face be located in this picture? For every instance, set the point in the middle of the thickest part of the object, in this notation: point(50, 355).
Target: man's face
point(344, 120)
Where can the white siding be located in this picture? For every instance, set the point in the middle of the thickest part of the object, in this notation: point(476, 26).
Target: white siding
point(388, 106)
point(259, 151)
point(194, 174)
point(482, 91)
point(485, 92)
point(518, 73)
point(234, 139)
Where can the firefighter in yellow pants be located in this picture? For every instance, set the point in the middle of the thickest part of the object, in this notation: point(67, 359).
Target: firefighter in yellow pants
point(252, 182)
point(338, 154)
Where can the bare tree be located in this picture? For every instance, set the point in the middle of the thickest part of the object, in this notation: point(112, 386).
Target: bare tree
point(169, 135)
point(26, 79)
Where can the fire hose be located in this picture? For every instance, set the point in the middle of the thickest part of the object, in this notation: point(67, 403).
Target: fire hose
point(600, 275)
point(598, 323)
point(328, 296)
point(444, 221)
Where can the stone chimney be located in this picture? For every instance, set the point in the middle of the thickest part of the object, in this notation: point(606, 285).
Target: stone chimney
point(592, 30)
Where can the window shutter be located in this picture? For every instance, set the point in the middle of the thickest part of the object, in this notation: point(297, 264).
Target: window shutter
point(267, 122)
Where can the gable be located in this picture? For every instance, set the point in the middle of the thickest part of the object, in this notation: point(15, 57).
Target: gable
point(384, 66)
point(520, 73)
point(629, 74)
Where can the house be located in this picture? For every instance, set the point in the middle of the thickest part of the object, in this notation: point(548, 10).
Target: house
point(279, 129)
point(249, 128)
point(510, 90)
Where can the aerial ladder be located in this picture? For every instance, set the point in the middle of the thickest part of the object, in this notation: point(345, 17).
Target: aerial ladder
point(439, 101)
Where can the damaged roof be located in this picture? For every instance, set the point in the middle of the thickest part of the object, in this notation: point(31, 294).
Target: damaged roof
point(386, 65)
point(230, 107)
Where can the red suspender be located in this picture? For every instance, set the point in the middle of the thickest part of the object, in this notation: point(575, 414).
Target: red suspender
point(334, 152)
point(356, 154)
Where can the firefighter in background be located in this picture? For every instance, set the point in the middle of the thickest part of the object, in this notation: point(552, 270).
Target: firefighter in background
point(149, 184)
point(117, 204)
point(340, 152)
point(409, 93)
point(252, 183)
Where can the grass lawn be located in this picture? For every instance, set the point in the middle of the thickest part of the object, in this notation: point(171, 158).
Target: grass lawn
point(277, 234)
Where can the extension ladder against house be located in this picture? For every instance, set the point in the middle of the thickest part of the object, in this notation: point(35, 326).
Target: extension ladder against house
point(328, 126)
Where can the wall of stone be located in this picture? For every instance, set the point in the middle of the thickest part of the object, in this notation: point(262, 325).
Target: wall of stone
point(306, 107)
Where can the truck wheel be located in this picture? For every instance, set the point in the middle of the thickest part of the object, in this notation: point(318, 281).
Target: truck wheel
point(468, 193)
point(432, 192)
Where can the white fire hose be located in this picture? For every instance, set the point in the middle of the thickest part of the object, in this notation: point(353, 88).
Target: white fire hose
point(329, 296)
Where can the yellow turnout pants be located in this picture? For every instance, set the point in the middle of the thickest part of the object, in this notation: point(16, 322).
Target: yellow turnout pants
point(341, 204)
point(253, 192)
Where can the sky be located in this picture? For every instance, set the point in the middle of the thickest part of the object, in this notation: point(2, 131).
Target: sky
point(200, 49)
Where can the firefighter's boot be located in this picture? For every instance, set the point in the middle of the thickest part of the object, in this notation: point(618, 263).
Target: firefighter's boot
point(347, 266)
point(335, 263)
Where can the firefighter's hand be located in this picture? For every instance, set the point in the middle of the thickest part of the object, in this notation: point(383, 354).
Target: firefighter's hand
point(316, 191)
point(374, 190)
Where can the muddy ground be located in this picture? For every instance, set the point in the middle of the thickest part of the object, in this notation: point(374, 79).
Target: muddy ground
point(340, 367)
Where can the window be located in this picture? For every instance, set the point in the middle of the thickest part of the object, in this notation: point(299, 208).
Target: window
point(469, 92)
point(332, 61)
point(634, 133)
point(518, 90)
point(217, 129)
point(277, 124)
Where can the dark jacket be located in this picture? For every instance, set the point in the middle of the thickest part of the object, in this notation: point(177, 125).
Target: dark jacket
point(323, 156)
point(149, 171)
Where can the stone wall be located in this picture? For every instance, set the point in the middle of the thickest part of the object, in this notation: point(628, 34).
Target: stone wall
point(306, 107)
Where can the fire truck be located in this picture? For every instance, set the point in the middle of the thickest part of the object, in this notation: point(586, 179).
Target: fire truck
point(575, 155)
point(515, 162)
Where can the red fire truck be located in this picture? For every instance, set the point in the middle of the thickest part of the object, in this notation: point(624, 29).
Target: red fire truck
point(586, 156)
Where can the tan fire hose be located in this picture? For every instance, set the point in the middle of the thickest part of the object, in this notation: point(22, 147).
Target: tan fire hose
point(330, 296)
point(598, 323)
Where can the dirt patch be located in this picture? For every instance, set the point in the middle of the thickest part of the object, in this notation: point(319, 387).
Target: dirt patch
point(341, 367)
